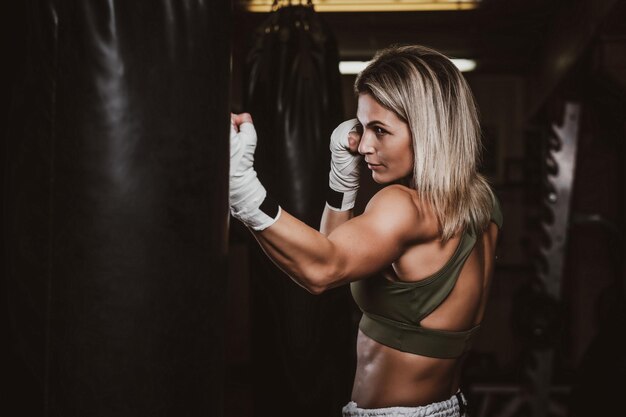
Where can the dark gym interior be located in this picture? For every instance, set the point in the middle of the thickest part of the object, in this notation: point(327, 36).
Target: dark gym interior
point(128, 291)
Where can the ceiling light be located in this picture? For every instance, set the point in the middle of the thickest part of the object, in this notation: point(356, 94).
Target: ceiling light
point(265, 6)
point(354, 67)
point(464, 65)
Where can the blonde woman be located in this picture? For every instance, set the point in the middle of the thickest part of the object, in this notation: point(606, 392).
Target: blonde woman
point(421, 256)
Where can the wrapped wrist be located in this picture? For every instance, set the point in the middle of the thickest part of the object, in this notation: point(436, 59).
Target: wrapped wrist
point(258, 218)
point(343, 178)
point(250, 204)
point(341, 201)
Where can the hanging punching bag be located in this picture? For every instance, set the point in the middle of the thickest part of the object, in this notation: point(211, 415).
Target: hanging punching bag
point(302, 346)
point(294, 95)
point(116, 207)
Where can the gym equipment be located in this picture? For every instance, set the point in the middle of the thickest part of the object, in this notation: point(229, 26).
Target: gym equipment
point(116, 215)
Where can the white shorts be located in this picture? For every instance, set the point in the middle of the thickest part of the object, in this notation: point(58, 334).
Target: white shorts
point(453, 407)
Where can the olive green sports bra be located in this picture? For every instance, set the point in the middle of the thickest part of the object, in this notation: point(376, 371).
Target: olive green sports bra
point(392, 311)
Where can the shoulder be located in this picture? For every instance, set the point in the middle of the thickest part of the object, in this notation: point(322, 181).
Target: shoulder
point(401, 209)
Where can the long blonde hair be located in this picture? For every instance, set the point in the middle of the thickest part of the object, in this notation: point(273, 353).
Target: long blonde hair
point(425, 90)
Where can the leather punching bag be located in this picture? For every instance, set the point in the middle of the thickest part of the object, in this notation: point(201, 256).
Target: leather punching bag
point(294, 94)
point(116, 207)
point(302, 344)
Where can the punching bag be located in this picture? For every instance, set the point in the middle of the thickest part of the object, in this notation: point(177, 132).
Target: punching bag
point(116, 207)
point(294, 94)
point(302, 345)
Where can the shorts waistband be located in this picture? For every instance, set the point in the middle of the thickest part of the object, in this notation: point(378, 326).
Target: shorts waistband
point(453, 407)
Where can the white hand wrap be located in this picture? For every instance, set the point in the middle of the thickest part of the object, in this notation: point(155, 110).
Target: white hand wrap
point(246, 193)
point(344, 168)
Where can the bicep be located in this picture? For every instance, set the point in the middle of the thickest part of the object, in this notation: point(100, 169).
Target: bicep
point(370, 242)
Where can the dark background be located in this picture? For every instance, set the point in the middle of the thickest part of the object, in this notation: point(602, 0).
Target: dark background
point(533, 56)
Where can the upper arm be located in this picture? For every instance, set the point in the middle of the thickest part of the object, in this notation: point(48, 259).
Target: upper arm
point(374, 240)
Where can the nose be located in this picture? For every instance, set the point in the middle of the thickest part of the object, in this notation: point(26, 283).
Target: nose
point(366, 145)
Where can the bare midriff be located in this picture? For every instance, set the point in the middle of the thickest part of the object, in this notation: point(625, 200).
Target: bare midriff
point(386, 377)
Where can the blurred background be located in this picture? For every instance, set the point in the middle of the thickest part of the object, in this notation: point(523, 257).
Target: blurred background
point(129, 292)
point(549, 80)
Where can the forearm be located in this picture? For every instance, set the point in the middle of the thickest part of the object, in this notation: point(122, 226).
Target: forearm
point(308, 256)
point(303, 253)
point(331, 219)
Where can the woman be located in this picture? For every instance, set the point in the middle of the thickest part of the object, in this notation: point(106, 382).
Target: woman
point(420, 257)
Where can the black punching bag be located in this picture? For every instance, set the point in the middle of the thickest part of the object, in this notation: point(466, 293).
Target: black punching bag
point(116, 207)
point(294, 94)
point(302, 344)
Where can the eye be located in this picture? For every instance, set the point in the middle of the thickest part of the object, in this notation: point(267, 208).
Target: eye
point(379, 131)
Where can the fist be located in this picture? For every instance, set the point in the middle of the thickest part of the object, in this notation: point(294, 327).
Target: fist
point(354, 138)
point(243, 141)
point(346, 137)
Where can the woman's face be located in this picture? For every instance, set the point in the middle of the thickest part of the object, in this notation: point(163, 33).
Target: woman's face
point(385, 142)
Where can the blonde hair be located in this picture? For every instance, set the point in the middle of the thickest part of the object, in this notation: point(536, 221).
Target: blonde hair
point(425, 90)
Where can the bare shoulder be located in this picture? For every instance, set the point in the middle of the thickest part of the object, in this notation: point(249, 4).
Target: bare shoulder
point(403, 210)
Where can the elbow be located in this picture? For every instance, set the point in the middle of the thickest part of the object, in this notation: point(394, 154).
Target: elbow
point(315, 289)
point(320, 279)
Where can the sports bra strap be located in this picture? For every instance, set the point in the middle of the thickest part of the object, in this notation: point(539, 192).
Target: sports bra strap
point(415, 339)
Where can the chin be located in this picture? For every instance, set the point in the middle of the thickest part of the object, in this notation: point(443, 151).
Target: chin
point(391, 179)
point(382, 179)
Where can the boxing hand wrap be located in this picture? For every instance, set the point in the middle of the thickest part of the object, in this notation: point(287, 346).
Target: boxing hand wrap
point(247, 197)
point(343, 179)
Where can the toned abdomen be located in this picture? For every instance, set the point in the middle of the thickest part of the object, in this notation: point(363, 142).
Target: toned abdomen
point(386, 377)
